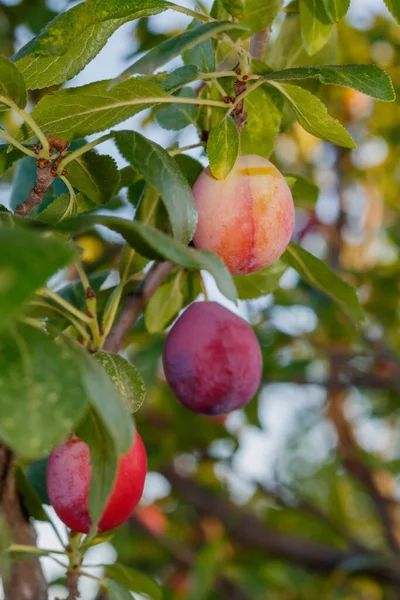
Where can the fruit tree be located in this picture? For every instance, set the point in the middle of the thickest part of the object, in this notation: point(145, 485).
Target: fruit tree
point(199, 300)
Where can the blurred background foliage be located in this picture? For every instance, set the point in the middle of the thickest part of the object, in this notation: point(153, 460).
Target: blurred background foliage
point(311, 465)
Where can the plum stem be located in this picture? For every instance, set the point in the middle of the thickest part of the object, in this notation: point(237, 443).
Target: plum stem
point(91, 304)
point(74, 568)
point(202, 286)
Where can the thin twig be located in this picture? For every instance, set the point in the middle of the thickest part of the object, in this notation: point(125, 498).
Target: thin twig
point(134, 305)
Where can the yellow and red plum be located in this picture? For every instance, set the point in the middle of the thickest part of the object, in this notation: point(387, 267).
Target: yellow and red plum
point(212, 359)
point(68, 482)
point(247, 218)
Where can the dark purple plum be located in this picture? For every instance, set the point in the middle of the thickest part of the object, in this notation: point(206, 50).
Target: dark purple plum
point(212, 360)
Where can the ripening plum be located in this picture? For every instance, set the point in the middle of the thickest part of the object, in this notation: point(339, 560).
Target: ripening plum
point(247, 218)
point(68, 481)
point(212, 359)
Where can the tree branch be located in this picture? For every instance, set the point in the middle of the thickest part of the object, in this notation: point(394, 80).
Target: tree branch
point(250, 532)
point(187, 558)
point(26, 581)
point(350, 454)
point(279, 494)
point(44, 178)
point(259, 43)
point(360, 380)
point(134, 304)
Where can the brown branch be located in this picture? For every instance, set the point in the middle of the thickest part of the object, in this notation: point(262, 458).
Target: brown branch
point(134, 304)
point(348, 448)
point(72, 584)
point(360, 380)
point(259, 43)
point(26, 580)
point(44, 178)
point(298, 502)
point(239, 115)
point(187, 558)
point(350, 454)
point(250, 532)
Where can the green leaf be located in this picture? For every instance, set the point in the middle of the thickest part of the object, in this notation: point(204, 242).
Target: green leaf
point(105, 399)
point(337, 9)
point(315, 25)
point(260, 283)
point(36, 474)
point(223, 148)
point(304, 191)
point(126, 378)
point(236, 8)
point(368, 79)
point(288, 49)
point(117, 592)
point(318, 275)
point(312, 114)
point(264, 114)
point(12, 85)
point(161, 171)
point(154, 244)
point(178, 44)
point(176, 79)
point(39, 384)
point(164, 305)
point(136, 191)
point(8, 158)
point(31, 501)
point(64, 207)
point(260, 14)
point(190, 167)
point(69, 42)
point(394, 7)
point(73, 113)
point(201, 55)
point(27, 260)
point(61, 208)
point(150, 210)
point(95, 175)
point(103, 462)
point(134, 581)
point(178, 116)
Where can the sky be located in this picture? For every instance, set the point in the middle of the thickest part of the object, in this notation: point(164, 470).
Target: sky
point(280, 405)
